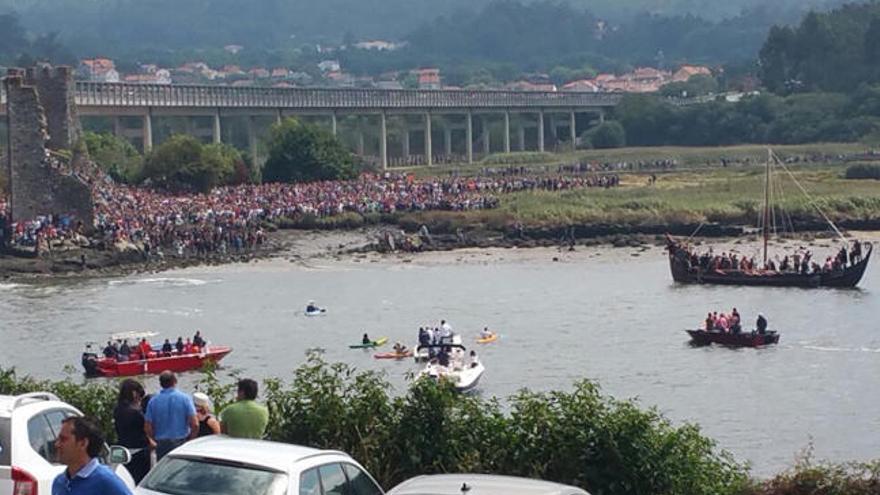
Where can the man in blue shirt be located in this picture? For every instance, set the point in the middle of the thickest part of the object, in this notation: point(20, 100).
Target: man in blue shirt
point(171, 417)
point(78, 446)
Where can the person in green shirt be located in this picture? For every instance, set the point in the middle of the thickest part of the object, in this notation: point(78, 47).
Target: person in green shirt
point(245, 418)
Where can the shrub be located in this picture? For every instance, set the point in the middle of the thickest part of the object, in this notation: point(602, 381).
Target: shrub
point(606, 135)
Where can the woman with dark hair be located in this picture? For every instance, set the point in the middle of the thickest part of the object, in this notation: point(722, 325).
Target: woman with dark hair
point(128, 419)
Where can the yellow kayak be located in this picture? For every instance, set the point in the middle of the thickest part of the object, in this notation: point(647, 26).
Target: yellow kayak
point(487, 340)
point(375, 343)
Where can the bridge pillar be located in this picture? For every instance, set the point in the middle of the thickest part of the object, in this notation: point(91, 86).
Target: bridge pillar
point(601, 116)
point(485, 135)
point(554, 129)
point(572, 130)
point(279, 116)
point(383, 140)
point(333, 123)
point(252, 140)
point(428, 145)
point(541, 130)
point(469, 138)
point(360, 142)
point(215, 130)
point(405, 139)
point(117, 127)
point(521, 137)
point(507, 132)
point(447, 140)
point(148, 131)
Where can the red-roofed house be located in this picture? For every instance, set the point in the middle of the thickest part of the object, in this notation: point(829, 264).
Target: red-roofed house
point(98, 69)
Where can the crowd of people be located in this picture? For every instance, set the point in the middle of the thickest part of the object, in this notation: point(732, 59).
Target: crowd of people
point(150, 426)
point(801, 261)
point(232, 219)
point(121, 351)
point(731, 322)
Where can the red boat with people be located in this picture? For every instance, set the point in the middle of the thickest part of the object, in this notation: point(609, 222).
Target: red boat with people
point(743, 339)
point(146, 359)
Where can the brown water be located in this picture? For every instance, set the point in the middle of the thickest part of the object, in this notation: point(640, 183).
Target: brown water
point(602, 314)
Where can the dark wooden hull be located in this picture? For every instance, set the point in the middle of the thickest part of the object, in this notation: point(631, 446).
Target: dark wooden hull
point(743, 339)
point(683, 272)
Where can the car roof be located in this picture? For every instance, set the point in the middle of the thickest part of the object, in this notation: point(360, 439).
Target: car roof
point(9, 403)
point(481, 484)
point(273, 455)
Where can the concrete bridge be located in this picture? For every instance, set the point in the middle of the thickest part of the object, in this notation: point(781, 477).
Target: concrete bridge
point(452, 110)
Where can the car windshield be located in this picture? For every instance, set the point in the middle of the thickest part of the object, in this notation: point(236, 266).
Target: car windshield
point(187, 476)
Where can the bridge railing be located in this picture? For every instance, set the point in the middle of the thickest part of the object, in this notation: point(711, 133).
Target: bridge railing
point(157, 95)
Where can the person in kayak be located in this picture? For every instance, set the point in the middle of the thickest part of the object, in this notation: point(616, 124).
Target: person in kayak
point(366, 340)
point(311, 308)
point(485, 333)
point(761, 324)
point(399, 348)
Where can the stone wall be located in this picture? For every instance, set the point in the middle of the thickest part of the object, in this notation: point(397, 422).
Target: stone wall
point(40, 184)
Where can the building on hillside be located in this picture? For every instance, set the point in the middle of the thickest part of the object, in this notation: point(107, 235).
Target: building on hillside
point(340, 79)
point(97, 69)
point(280, 73)
point(525, 85)
point(259, 73)
point(428, 78)
point(582, 85)
point(233, 49)
point(378, 45)
point(329, 66)
point(686, 72)
point(160, 76)
point(389, 85)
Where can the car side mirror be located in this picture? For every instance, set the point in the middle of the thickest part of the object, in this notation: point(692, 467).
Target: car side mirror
point(118, 455)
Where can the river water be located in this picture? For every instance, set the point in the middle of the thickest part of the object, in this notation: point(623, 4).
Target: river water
point(612, 315)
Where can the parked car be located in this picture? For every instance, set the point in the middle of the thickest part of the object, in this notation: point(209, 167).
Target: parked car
point(481, 484)
point(29, 424)
point(220, 465)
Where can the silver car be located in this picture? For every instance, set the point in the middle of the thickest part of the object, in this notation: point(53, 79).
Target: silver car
point(481, 484)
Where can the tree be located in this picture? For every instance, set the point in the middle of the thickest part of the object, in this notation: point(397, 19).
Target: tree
point(300, 152)
point(607, 135)
point(184, 163)
point(115, 156)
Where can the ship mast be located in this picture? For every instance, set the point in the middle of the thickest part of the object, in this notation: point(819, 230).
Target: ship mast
point(766, 206)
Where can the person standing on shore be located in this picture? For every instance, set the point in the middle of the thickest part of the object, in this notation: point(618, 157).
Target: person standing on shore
point(128, 420)
point(245, 418)
point(171, 417)
point(78, 446)
point(208, 424)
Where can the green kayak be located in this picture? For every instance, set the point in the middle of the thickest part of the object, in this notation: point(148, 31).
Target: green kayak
point(375, 343)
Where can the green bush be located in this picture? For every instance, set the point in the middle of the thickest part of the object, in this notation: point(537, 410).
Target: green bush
point(604, 136)
point(301, 152)
point(863, 171)
point(184, 163)
point(114, 155)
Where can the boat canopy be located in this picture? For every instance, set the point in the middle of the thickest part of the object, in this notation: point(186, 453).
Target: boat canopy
point(133, 335)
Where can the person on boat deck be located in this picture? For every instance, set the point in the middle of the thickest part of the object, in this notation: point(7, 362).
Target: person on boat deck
point(785, 265)
point(167, 349)
point(761, 324)
point(424, 338)
point(179, 345)
point(856, 254)
point(443, 357)
point(124, 351)
point(721, 323)
point(735, 321)
point(198, 341)
point(311, 308)
point(475, 361)
point(145, 349)
point(445, 332)
point(485, 333)
point(110, 351)
point(399, 348)
point(710, 322)
point(188, 347)
point(366, 340)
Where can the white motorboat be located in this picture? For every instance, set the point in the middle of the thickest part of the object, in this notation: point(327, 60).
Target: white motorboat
point(423, 352)
point(462, 369)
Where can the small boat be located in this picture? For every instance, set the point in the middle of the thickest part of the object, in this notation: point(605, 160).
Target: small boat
point(488, 340)
point(394, 355)
point(742, 339)
point(463, 371)
point(375, 343)
point(156, 362)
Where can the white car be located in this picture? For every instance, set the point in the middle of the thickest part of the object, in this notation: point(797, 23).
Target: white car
point(220, 465)
point(481, 484)
point(29, 424)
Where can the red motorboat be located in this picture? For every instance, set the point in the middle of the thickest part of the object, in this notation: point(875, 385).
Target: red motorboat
point(155, 362)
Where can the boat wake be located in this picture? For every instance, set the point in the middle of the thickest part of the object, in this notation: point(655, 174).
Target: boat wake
point(820, 348)
point(166, 281)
